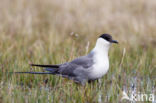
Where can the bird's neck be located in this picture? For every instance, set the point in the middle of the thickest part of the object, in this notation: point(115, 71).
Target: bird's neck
point(101, 47)
point(101, 51)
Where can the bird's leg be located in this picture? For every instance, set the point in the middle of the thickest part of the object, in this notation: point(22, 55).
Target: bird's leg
point(100, 82)
point(83, 82)
point(100, 93)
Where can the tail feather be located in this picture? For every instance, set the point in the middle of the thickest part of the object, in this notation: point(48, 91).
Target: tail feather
point(48, 66)
point(34, 72)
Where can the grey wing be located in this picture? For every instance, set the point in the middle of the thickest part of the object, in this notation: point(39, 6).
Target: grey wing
point(67, 69)
point(76, 67)
point(84, 61)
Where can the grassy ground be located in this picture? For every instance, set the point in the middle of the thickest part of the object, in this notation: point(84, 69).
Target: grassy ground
point(52, 32)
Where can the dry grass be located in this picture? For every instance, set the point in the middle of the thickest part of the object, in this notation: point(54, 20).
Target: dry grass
point(55, 31)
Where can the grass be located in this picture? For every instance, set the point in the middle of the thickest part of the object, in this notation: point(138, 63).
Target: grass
point(52, 32)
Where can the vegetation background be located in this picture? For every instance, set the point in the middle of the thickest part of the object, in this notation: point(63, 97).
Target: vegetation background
point(55, 31)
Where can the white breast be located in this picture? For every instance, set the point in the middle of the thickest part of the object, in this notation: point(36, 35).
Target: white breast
point(100, 67)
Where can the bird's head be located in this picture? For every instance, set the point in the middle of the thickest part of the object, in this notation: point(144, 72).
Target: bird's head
point(105, 41)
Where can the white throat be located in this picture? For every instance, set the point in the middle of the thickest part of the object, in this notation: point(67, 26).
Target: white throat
point(102, 46)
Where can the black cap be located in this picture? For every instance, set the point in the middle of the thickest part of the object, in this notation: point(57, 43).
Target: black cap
point(108, 38)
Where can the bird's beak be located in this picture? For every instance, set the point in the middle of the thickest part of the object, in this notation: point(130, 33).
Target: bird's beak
point(114, 41)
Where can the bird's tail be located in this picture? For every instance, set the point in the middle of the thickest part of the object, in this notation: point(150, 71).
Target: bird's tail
point(46, 66)
point(51, 69)
point(33, 72)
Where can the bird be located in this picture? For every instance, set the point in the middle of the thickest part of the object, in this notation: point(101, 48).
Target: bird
point(83, 69)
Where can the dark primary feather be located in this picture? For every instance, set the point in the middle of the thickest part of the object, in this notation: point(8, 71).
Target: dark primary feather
point(51, 66)
point(34, 72)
